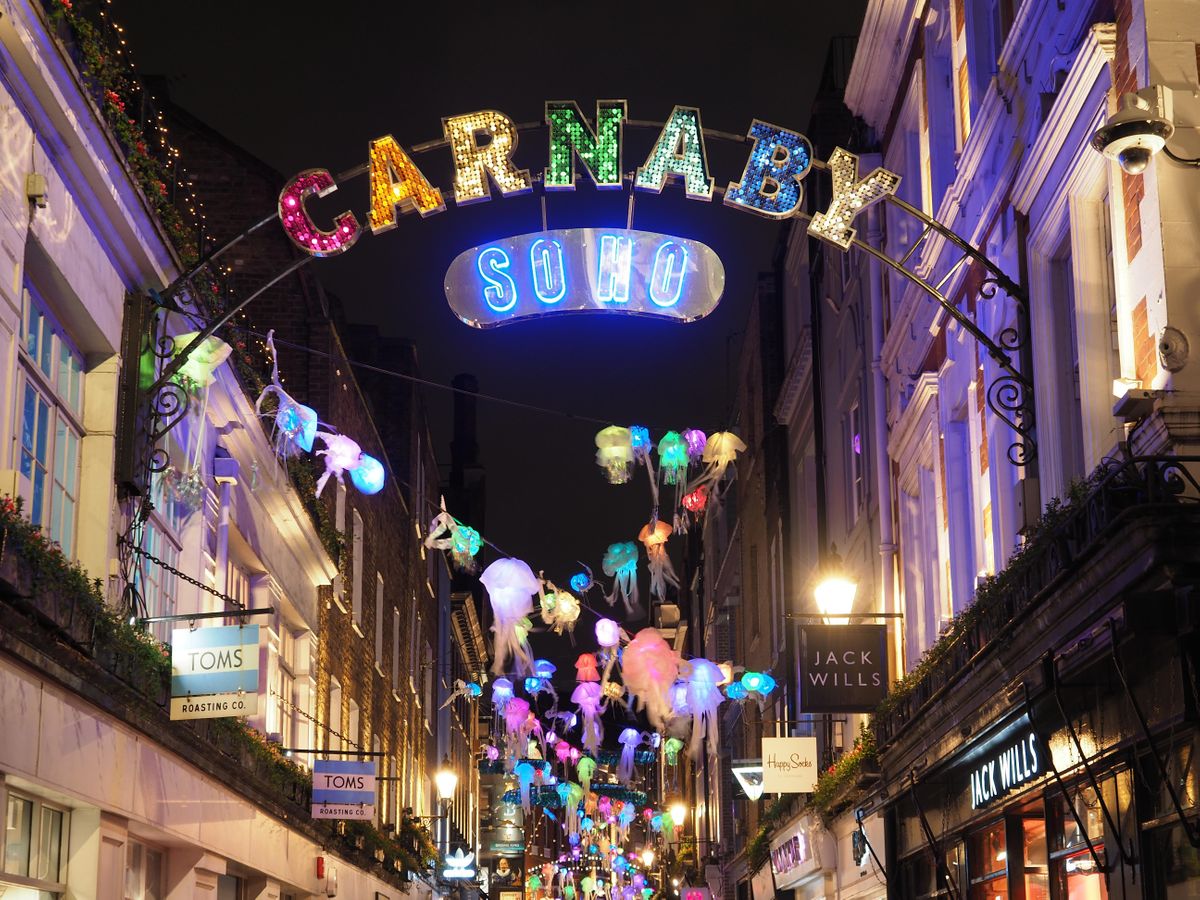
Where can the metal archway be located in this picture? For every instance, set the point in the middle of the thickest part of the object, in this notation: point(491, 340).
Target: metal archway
point(203, 295)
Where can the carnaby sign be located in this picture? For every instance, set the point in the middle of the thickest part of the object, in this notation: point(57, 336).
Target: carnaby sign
point(801, 852)
point(843, 668)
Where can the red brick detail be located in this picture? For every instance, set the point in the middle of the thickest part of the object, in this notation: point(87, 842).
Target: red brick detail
point(1125, 82)
point(1145, 360)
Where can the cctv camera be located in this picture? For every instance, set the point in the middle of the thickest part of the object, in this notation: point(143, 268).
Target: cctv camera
point(1136, 132)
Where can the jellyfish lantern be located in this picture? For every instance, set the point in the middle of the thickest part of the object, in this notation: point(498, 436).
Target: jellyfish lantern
point(462, 542)
point(703, 699)
point(295, 423)
point(586, 669)
point(654, 535)
point(516, 726)
point(588, 697)
point(649, 667)
point(671, 750)
point(502, 692)
point(560, 609)
point(511, 584)
point(672, 458)
point(620, 564)
point(543, 672)
point(524, 772)
point(342, 454)
point(608, 636)
point(614, 453)
point(629, 740)
point(720, 450)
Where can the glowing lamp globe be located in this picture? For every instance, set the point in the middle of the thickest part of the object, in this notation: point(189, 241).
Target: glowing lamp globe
point(737, 691)
point(474, 690)
point(766, 685)
point(608, 633)
point(678, 812)
point(502, 689)
point(543, 668)
point(580, 582)
point(835, 597)
point(647, 857)
point(298, 422)
point(446, 780)
point(533, 684)
point(368, 476)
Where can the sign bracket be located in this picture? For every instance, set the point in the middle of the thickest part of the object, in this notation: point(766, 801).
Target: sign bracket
point(192, 617)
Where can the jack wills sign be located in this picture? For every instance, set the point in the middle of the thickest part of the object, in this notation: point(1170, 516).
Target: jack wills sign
point(843, 668)
point(1013, 763)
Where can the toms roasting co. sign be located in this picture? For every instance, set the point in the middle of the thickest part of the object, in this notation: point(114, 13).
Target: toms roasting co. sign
point(843, 668)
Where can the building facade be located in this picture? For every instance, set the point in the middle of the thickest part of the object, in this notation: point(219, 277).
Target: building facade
point(106, 556)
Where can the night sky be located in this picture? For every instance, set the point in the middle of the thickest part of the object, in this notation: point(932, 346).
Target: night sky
point(300, 87)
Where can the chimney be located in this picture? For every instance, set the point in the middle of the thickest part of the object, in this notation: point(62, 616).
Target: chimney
point(464, 448)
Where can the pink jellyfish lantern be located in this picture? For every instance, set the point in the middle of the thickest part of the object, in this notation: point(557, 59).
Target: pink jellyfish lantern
point(662, 573)
point(649, 667)
point(586, 669)
point(342, 454)
point(588, 697)
point(629, 740)
point(703, 699)
point(511, 584)
point(516, 725)
point(563, 751)
point(614, 453)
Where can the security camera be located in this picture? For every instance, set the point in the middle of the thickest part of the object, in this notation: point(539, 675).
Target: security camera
point(1137, 131)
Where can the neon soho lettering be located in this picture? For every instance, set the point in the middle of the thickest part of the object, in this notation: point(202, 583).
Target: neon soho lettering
point(613, 273)
point(500, 292)
point(606, 270)
point(612, 277)
point(552, 272)
point(1012, 766)
point(791, 853)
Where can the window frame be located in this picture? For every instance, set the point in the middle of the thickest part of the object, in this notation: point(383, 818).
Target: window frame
point(38, 808)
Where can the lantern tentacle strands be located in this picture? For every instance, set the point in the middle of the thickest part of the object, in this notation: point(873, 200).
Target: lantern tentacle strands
point(642, 452)
point(295, 425)
point(524, 772)
point(608, 636)
point(589, 698)
point(629, 740)
point(703, 699)
point(662, 573)
point(620, 564)
point(342, 454)
point(511, 584)
point(672, 458)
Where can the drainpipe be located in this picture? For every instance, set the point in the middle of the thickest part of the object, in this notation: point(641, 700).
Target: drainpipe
point(883, 466)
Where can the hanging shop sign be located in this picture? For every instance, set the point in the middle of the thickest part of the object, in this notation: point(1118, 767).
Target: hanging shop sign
point(343, 789)
point(789, 765)
point(843, 668)
point(749, 773)
point(458, 866)
point(581, 269)
point(214, 672)
point(1013, 762)
point(482, 145)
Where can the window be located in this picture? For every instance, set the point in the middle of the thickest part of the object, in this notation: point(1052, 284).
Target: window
point(51, 408)
point(396, 649)
point(334, 738)
point(340, 509)
point(281, 700)
point(357, 593)
point(1073, 870)
point(33, 842)
point(855, 470)
point(143, 872)
point(230, 887)
point(379, 622)
point(987, 861)
point(352, 726)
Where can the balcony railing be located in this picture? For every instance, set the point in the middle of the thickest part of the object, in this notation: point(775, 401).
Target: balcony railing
point(1069, 533)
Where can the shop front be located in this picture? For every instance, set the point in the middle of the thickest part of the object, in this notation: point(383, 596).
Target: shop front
point(803, 860)
point(1048, 750)
point(858, 837)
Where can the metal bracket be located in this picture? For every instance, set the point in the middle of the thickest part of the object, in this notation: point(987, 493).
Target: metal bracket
point(1101, 865)
point(858, 818)
point(1190, 832)
point(1127, 856)
point(939, 861)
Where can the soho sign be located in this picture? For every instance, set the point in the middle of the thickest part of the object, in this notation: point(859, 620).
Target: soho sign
point(482, 145)
point(1016, 763)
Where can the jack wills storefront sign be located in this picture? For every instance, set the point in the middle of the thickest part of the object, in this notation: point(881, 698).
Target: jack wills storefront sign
point(843, 668)
point(1013, 763)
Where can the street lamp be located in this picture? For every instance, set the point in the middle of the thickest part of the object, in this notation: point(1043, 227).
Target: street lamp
point(648, 857)
point(677, 810)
